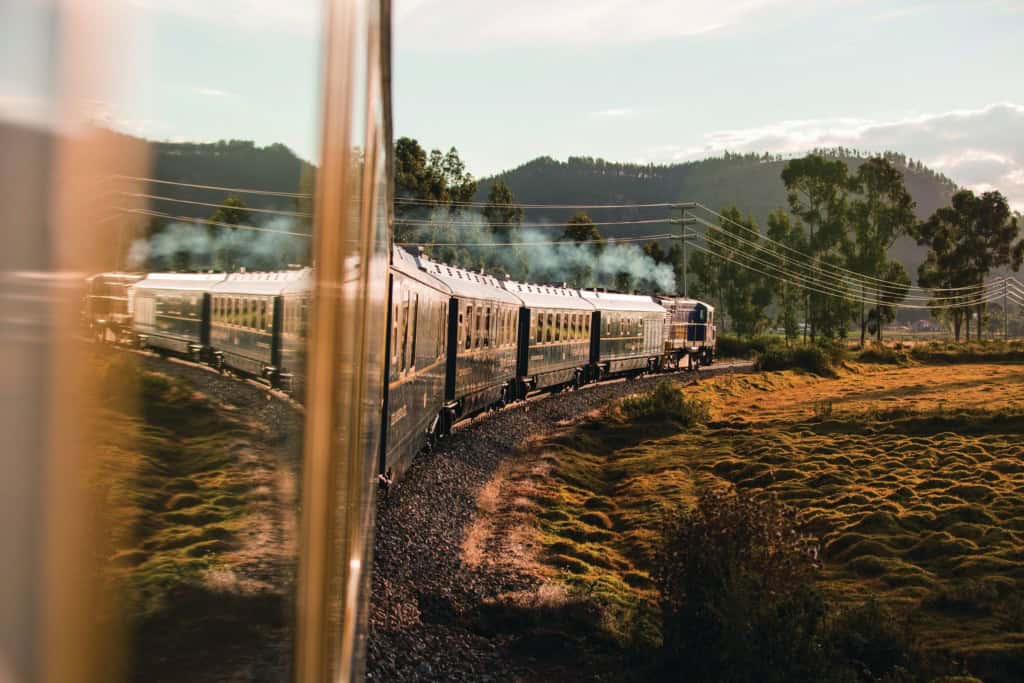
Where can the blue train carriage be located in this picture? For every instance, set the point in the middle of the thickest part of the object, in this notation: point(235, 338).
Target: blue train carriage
point(171, 312)
point(416, 362)
point(482, 338)
point(689, 331)
point(258, 325)
point(555, 324)
point(630, 333)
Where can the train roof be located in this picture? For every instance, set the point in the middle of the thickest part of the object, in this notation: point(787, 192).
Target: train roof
point(409, 265)
point(466, 283)
point(266, 283)
point(614, 301)
point(182, 282)
point(547, 296)
point(683, 301)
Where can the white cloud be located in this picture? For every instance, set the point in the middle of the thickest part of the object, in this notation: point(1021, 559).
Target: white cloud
point(454, 25)
point(210, 92)
point(616, 113)
point(977, 148)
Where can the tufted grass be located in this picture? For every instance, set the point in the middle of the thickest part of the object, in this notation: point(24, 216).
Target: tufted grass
point(912, 479)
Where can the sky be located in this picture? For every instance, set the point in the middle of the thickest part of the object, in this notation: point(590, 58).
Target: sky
point(628, 80)
point(673, 80)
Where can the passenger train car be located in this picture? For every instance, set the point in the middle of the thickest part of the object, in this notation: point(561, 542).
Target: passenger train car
point(630, 333)
point(458, 341)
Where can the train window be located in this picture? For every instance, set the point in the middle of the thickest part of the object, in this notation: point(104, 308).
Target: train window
point(469, 327)
point(558, 327)
point(394, 338)
point(486, 341)
point(476, 327)
point(262, 317)
point(403, 331)
point(415, 328)
point(549, 329)
point(539, 338)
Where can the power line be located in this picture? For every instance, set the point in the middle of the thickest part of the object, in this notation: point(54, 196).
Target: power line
point(233, 226)
point(236, 190)
point(829, 278)
point(610, 242)
point(475, 224)
point(839, 291)
point(174, 200)
point(831, 266)
point(834, 293)
point(430, 202)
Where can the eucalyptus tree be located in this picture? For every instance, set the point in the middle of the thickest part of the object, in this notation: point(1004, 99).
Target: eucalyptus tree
point(967, 240)
point(788, 240)
point(817, 190)
point(881, 211)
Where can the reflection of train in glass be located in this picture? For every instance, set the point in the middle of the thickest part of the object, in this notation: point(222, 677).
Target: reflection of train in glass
point(459, 342)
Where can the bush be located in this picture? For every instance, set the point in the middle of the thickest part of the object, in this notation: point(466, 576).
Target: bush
point(879, 353)
point(665, 402)
point(735, 584)
point(973, 352)
point(812, 358)
point(735, 347)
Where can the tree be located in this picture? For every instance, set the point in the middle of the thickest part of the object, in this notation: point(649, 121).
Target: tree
point(580, 229)
point(232, 211)
point(503, 218)
point(743, 293)
point(789, 295)
point(967, 240)
point(882, 212)
point(817, 191)
point(437, 181)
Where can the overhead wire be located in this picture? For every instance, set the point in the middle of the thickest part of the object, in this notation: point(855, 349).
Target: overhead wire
point(236, 190)
point(175, 200)
point(484, 224)
point(532, 243)
point(836, 294)
point(206, 221)
point(830, 266)
point(903, 292)
point(841, 292)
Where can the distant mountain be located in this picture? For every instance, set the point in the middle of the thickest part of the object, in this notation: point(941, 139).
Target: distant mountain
point(751, 182)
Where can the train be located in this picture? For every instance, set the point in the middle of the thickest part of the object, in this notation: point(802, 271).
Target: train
point(459, 342)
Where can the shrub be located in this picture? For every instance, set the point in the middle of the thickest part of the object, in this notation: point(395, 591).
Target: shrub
point(812, 358)
point(735, 584)
point(879, 353)
point(973, 352)
point(873, 641)
point(735, 347)
point(665, 401)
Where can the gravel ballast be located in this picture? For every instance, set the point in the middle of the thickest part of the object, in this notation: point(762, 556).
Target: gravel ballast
point(425, 601)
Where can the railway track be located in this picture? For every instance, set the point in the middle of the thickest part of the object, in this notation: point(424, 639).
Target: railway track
point(424, 600)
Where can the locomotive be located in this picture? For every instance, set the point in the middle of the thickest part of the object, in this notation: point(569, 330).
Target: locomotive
point(459, 342)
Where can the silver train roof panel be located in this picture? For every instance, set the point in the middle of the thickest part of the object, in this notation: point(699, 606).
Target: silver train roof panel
point(266, 283)
point(180, 282)
point(614, 301)
point(466, 283)
point(547, 296)
point(672, 301)
point(409, 265)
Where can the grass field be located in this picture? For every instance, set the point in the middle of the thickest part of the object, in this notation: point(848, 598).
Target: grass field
point(912, 477)
point(202, 557)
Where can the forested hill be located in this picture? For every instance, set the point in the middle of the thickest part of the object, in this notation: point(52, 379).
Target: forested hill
point(751, 182)
point(231, 163)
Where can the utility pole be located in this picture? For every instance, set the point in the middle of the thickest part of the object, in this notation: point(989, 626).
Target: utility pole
point(683, 221)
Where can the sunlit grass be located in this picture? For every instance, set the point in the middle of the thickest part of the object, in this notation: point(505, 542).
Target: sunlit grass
point(912, 477)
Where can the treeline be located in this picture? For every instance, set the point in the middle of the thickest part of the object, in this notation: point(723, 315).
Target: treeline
point(834, 238)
